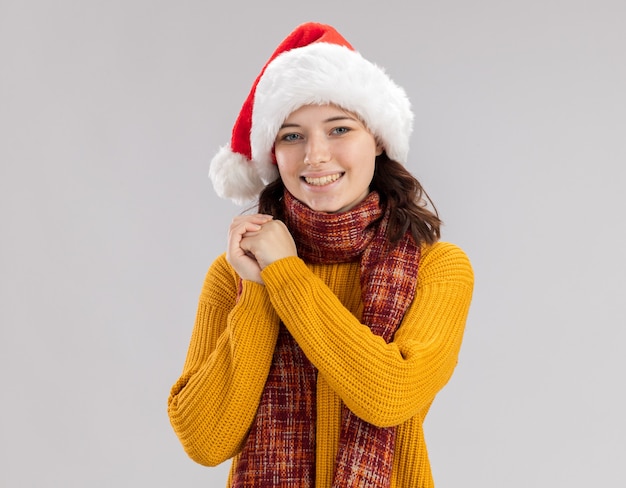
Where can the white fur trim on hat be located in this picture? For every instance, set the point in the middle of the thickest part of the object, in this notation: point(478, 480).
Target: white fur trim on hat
point(324, 73)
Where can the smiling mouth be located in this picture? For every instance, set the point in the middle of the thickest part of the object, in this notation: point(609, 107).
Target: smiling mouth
point(322, 180)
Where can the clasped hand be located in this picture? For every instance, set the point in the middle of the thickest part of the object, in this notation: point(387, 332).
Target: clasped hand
point(256, 241)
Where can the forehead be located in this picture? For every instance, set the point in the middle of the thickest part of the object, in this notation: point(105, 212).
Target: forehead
point(315, 113)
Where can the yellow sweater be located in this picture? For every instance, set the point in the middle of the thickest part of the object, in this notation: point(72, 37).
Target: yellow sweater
point(213, 404)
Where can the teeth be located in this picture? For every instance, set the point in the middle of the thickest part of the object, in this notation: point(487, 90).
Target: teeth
point(324, 180)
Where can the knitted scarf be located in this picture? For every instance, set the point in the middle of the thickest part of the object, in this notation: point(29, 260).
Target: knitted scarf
point(280, 448)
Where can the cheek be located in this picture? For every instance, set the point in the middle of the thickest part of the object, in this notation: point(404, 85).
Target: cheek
point(284, 169)
point(286, 161)
point(280, 157)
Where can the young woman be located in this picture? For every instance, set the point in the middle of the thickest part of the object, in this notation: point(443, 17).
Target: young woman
point(335, 316)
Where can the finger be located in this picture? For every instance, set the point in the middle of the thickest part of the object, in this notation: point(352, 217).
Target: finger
point(254, 218)
point(239, 229)
point(247, 223)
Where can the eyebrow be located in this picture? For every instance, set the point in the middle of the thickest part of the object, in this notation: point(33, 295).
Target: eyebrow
point(330, 119)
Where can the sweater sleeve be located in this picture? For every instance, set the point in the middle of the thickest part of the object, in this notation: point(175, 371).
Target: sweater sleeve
point(212, 405)
point(384, 384)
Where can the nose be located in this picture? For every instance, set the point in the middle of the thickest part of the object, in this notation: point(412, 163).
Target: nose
point(317, 150)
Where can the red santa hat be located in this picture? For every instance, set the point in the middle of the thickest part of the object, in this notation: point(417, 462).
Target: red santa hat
point(313, 65)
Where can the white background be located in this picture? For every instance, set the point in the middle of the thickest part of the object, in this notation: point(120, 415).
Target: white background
point(109, 115)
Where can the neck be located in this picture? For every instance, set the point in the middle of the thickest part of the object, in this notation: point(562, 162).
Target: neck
point(326, 238)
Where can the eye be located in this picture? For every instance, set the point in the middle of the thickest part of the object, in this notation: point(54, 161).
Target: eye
point(340, 130)
point(290, 137)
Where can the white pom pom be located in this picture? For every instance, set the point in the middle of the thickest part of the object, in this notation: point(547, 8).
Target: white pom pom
point(235, 177)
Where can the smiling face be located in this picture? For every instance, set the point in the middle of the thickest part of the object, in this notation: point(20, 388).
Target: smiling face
point(326, 157)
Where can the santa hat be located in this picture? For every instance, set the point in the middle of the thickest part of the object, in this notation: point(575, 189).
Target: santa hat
point(313, 65)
